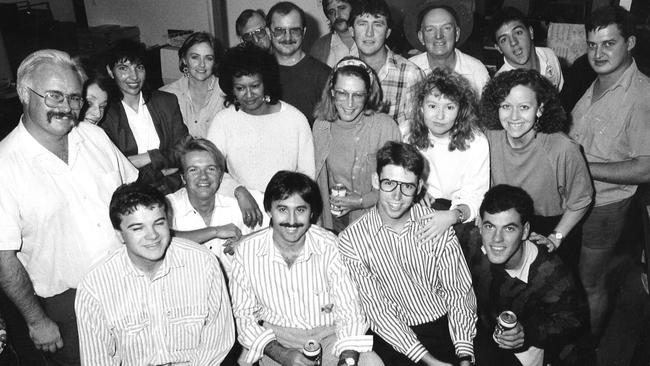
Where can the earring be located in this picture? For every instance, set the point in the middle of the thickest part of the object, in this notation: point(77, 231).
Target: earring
point(267, 98)
point(186, 72)
point(539, 114)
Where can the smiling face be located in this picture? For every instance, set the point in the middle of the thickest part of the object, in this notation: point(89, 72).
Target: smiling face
point(515, 42)
point(249, 92)
point(290, 219)
point(128, 76)
point(370, 33)
point(201, 174)
point(439, 113)
point(349, 96)
point(338, 13)
point(518, 113)
point(503, 236)
point(439, 33)
point(200, 61)
point(393, 207)
point(256, 26)
point(291, 33)
point(145, 232)
point(609, 53)
point(96, 99)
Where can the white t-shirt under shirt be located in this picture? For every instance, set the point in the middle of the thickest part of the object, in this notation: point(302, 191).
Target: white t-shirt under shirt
point(141, 124)
point(549, 66)
point(467, 66)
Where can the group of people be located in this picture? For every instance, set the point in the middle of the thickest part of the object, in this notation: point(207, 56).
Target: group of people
point(389, 209)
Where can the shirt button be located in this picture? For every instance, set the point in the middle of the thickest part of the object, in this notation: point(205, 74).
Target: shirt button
point(196, 121)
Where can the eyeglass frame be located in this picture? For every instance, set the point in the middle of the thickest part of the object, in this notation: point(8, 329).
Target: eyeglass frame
point(255, 35)
point(401, 186)
point(292, 32)
point(48, 94)
point(341, 95)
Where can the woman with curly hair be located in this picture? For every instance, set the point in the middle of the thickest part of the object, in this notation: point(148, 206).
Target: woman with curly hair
point(446, 133)
point(526, 128)
point(347, 134)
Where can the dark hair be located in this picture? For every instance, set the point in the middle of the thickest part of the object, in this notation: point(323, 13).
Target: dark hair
point(427, 9)
point(127, 50)
point(400, 154)
point(284, 8)
point(247, 60)
point(455, 88)
point(196, 38)
point(285, 184)
point(326, 2)
point(375, 8)
point(128, 197)
point(196, 144)
point(553, 118)
point(503, 197)
point(611, 14)
point(99, 78)
point(326, 110)
point(244, 17)
point(507, 15)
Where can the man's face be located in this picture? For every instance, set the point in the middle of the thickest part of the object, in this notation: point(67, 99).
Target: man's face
point(439, 32)
point(128, 76)
point(255, 32)
point(608, 51)
point(61, 118)
point(287, 33)
point(515, 42)
point(201, 174)
point(394, 206)
point(290, 219)
point(503, 234)
point(338, 13)
point(145, 232)
point(370, 33)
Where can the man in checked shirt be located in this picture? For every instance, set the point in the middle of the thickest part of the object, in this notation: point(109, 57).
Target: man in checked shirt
point(288, 286)
point(417, 294)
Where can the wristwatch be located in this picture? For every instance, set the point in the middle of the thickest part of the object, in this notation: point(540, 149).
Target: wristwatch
point(467, 358)
point(558, 236)
point(350, 361)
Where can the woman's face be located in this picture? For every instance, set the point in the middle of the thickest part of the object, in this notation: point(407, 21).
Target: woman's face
point(439, 113)
point(518, 113)
point(200, 61)
point(128, 76)
point(96, 100)
point(249, 92)
point(349, 93)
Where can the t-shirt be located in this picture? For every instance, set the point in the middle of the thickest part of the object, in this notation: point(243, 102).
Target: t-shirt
point(302, 84)
point(549, 66)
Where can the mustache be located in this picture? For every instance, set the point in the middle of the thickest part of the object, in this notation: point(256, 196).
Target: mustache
point(61, 115)
point(284, 224)
point(340, 20)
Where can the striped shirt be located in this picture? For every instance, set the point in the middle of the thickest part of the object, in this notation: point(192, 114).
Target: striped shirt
point(316, 291)
point(181, 315)
point(404, 283)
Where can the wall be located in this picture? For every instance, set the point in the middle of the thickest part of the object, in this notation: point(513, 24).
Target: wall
point(62, 10)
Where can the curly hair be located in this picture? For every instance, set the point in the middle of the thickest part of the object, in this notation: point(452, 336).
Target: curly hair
point(457, 89)
point(553, 119)
point(326, 109)
point(248, 60)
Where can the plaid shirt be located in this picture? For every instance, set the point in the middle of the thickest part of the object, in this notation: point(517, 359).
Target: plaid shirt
point(397, 78)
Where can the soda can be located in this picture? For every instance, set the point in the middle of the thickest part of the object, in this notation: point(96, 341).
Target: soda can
point(312, 350)
point(506, 321)
point(338, 190)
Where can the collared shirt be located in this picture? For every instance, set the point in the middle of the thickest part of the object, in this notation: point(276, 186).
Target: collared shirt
point(141, 124)
point(338, 50)
point(56, 214)
point(397, 78)
point(614, 127)
point(197, 120)
point(403, 282)
point(549, 66)
point(316, 291)
point(467, 66)
point(180, 315)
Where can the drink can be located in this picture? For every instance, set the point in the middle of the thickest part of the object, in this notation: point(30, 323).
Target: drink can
point(506, 321)
point(338, 190)
point(312, 350)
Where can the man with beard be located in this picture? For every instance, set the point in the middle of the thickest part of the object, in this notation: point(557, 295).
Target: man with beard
point(289, 286)
point(302, 77)
point(332, 47)
point(57, 181)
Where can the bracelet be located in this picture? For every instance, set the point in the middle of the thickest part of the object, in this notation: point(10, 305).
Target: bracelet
point(466, 358)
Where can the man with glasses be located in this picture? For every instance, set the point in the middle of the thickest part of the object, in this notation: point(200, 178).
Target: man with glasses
point(418, 294)
point(57, 181)
point(251, 28)
point(302, 77)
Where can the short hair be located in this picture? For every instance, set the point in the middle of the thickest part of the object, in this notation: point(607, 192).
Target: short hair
point(554, 118)
point(503, 197)
point(248, 60)
point(35, 60)
point(507, 15)
point(126, 50)
point(351, 66)
point(285, 184)
point(103, 82)
point(128, 197)
point(244, 17)
point(198, 144)
point(427, 9)
point(611, 14)
point(375, 8)
point(400, 154)
point(455, 88)
point(196, 38)
point(324, 3)
point(284, 8)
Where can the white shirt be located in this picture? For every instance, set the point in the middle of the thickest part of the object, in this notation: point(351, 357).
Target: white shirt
point(338, 50)
point(549, 66)
point(141, 124)
point(467, 66)
point(56, 214)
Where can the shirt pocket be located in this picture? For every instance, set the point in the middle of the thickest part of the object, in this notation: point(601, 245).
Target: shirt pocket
point(184, 328)
point(132, 330)
point(603, 137)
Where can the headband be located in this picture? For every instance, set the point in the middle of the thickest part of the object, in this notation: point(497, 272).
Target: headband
point(358, 63)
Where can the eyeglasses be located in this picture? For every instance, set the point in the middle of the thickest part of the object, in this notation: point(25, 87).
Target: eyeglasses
point(279, 32)
point(254, 35)
point(344, 96)
point(389, 185)
point(54, 98)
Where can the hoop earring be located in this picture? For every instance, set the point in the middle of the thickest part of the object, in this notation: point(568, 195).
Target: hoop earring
point(186, 72)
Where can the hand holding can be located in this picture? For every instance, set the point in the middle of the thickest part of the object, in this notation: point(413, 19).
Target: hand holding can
point(313, 351)
point(505, 321)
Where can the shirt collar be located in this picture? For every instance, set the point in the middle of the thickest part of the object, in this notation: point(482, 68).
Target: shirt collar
point(35, 149)
point(268, 247)
point(375, 224)
point(170, 261)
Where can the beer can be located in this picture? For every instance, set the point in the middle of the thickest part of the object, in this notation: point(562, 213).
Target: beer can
point(312, 350)
point(505, 321)
point(338, 190)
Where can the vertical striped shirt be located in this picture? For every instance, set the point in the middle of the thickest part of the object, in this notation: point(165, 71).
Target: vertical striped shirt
point(403, 282)
point(181, 315)
point(316, 291)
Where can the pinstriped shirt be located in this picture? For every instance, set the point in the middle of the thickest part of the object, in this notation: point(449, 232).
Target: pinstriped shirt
point(403, 282)
point(181, 315)
point(316, 291)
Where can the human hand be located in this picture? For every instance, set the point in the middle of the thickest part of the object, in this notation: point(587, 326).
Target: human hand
point(350, 202)
point(250, 211)
point(429, 360)
point(511, 338)
point(439, 222)
point(45, 335)
point(547, 241)
point(228, 231)
point(295, 357)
